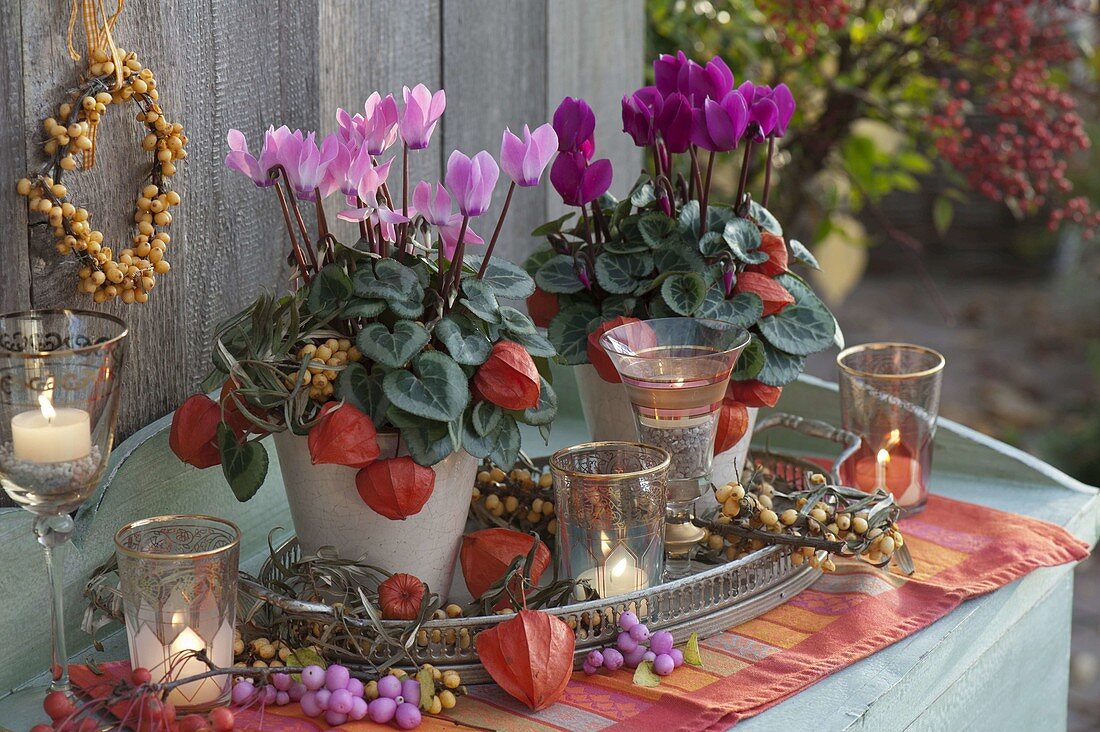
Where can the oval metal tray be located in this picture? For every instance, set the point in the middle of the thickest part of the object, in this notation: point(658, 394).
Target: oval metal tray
point(706, 603)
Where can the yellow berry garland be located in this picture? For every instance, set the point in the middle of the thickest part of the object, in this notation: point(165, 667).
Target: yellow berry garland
point(133, 273)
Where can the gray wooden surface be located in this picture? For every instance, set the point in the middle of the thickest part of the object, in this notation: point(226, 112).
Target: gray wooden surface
point(250, 63)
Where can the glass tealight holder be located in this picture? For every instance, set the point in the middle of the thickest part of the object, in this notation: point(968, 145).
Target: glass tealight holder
point(610, 499)
point(179, 591)
point(675, 371)
point(890, 397)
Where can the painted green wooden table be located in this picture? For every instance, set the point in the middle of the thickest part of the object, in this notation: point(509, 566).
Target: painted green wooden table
point(997, 662)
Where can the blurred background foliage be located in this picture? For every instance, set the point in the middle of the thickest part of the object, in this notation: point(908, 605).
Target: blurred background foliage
point(940, 163)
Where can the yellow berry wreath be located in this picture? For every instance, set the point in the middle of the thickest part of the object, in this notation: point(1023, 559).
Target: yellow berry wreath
point(133, 273)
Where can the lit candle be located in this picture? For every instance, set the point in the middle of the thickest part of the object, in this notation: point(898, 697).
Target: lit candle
point(166, 662)
point(618, 576)
point(49, 435)
point(899, 475)
point(881, 461)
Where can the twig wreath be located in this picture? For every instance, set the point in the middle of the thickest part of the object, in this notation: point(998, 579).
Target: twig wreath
point(113, 76)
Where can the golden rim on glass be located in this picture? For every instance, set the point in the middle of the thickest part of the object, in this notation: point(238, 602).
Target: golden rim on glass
point(67, 351)
point(883, 346)
point(176, 518)
point(555, 460)
point(711, 323)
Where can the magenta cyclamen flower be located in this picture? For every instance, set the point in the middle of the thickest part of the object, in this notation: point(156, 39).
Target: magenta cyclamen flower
point(471, 181)
point(640, 111)
point(763, 111)
point(422, 111)
point(695, 81)
point(784, 102)
point(578, 181)
point(666, 72)
point(524, 160)
point(718, 126)
point(674, 123)
point(575, 125)
point(437, 210)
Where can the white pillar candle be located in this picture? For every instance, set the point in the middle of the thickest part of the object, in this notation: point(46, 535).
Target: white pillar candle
point(49, 435)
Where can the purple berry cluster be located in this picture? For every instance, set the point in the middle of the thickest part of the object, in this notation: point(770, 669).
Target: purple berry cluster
point(334, 693)
point(630, 649)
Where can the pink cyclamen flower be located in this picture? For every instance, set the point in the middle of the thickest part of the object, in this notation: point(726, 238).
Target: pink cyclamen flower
point(307, 173)
point(365, 178)
point(718, 126)
point(471, 181)
point(578, 181)
point(281, 147)
point(380, 122)
point(524, 160)
point(438, 210)
point(241, 160)
point(422, 111)
point(336, 174)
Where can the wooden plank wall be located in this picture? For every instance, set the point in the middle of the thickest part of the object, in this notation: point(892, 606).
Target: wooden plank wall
point(249, 63)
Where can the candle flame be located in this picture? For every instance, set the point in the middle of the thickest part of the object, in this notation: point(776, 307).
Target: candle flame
point(47, 407)
point(892, 439)
point(619, 568)
point(883, 457)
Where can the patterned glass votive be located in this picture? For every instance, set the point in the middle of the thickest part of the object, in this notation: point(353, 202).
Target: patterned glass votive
point(179, 592)
point(890, 397)
point(610, 500)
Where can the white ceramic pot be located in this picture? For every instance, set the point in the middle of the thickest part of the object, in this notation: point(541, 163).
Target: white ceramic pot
point(327, 511)
point(606, 408)
point(727, 465)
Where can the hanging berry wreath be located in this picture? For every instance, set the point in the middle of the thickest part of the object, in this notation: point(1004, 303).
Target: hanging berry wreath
point(113, 76)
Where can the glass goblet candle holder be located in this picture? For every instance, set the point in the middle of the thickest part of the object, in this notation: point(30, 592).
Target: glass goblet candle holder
point(179, 594)
point(610, 501)
point(59, 390)
point(890, 397)
point(675, 371)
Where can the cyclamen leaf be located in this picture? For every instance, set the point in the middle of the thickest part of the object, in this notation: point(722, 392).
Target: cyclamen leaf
point(514, 321)
point(329, 289)
point(741, 310)
point(712, 244)
point(429, 442)
point(568, 332)
point(468, 348)
point(765, 218)
point(643, 195)
point(547, 408)
point(363, 391)
point(684, 293)
point(507, 280)
point(480, 301)
point(538, 258)
point(802, 328)
point(358, 308)
point(750, 362)
point(656, 228)
point(616, 305)
point(437, 390)
point(801, 254)
point(484, 417)
point(678, 259)
point(620, 273)
point(559, 276)
point(392, 349)
point(743, 239)
point(780, 368)
point(689, 216)
point(535, 343)
point(388, 279)
point(243, 464)
point(506, 449)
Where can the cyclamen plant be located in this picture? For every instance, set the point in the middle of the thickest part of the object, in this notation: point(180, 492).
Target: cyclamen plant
point(668, 249)
point(402, 331)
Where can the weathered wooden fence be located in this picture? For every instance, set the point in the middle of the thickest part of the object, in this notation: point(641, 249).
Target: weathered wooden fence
point(249, 63)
